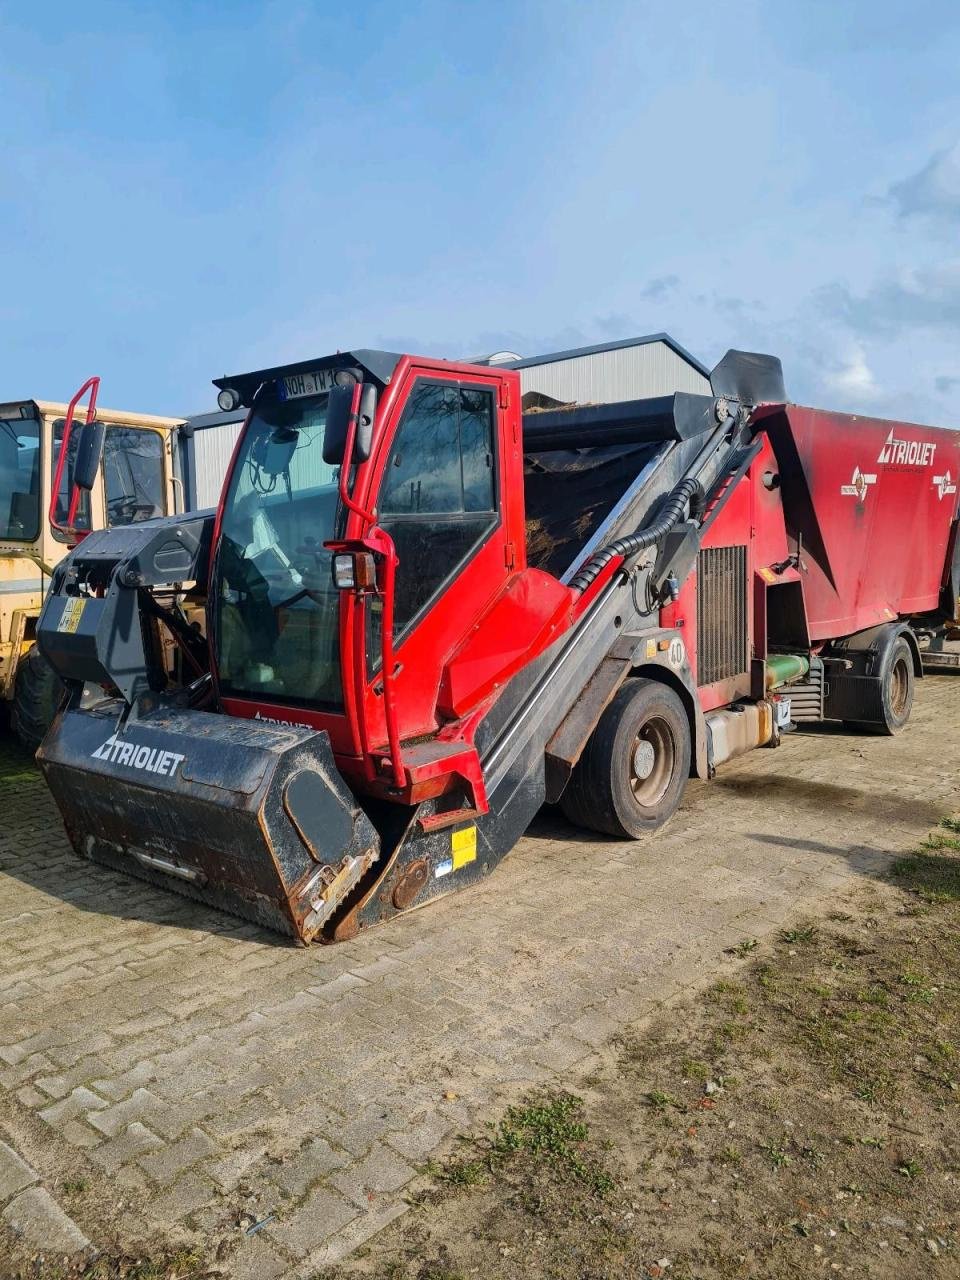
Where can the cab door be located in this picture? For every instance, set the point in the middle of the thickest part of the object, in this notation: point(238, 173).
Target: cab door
point(439, 496)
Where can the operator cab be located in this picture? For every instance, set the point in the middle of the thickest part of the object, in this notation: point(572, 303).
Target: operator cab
point(405, 470)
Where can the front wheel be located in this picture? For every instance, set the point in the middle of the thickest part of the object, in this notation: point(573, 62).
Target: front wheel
point(631, 775)
point(36, 699)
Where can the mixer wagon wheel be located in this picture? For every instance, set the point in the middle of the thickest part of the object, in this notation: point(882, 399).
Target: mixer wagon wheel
point(632, 772)
point(897, 681)
point(36, 699)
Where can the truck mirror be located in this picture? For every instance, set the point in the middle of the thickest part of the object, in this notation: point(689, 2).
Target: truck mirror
point(339, 404)
point(363, 445)
point(89, 454)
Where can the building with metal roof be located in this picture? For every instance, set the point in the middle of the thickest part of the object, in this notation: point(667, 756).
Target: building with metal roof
point(630, 369)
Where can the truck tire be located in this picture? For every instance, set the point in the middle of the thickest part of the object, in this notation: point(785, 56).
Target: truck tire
point(36, 699)
point(635, 765)
point(897, 682)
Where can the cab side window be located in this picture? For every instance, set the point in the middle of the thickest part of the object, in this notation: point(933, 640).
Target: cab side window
point(133, 474)
point(438, 498)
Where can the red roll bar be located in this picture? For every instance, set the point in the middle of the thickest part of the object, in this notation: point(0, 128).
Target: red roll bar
point(93, 386)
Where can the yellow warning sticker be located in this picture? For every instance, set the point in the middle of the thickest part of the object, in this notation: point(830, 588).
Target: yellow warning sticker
point(651, 648)
point(463, 846)
point(72, 613)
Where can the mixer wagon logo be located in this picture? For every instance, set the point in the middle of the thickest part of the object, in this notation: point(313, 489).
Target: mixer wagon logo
point(906, 453)
point(147, 759)
point(944, 485)
point(859, 485)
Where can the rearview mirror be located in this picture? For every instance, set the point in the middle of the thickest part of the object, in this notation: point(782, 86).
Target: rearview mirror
point(363, 445)
point(89, 454)
point(339, 405)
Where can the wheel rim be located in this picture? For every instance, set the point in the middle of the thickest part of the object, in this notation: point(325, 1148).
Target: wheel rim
point(899, 687)
point(652, 762)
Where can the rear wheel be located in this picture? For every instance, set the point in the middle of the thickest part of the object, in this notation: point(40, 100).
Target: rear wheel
point(897, 681)
point(631, 775)
point(36, 699)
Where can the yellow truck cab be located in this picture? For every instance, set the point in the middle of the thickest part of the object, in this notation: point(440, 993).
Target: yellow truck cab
point(138, 478)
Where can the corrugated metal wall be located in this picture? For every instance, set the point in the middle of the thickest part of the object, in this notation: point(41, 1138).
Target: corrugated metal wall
point(214, 448)
point(629, 373)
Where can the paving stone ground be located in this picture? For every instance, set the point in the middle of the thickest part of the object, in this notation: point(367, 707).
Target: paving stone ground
point(207, 1075)
point(30, 1213)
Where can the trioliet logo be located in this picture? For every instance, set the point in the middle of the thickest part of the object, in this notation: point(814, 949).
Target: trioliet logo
point(147, 759)
point(297, 724)
point(906, 453)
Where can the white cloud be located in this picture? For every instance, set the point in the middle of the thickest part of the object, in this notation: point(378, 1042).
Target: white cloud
point(933, 191)
point(853, 376)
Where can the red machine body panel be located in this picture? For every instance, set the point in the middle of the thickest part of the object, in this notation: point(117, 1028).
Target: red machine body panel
point(873, 503)
point(751, 518)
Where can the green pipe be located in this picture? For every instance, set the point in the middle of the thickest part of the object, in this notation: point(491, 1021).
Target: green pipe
point(784, 667)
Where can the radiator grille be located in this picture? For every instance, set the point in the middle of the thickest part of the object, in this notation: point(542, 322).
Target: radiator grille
point(721, 614)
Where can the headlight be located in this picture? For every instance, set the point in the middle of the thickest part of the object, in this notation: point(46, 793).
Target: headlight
point(343, 575)
point(229, 399)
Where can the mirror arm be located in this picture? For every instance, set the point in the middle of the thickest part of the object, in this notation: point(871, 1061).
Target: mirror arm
point(93, 386)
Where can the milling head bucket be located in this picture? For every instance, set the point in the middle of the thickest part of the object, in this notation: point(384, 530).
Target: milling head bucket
point(249, 817)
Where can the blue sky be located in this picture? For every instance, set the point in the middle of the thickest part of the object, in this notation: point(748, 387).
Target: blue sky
point(189, 189)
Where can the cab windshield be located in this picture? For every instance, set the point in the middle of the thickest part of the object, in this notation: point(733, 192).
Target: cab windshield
point(277, 610)
point(19, 479)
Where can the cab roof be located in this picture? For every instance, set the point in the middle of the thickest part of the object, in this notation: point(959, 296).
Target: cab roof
point(120, 417)
point(379, 365)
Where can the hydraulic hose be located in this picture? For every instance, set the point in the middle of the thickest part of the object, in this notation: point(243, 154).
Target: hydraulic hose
point(688, 490)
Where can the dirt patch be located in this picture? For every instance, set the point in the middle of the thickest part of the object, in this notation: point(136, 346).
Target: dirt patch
point(162, 1264)
point(799, 1120)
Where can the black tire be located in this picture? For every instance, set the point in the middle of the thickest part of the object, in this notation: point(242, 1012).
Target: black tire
point(36, 699)
point(897, 685)
point(635, 766)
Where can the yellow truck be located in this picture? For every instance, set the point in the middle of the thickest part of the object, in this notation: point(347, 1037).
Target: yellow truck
point(139, 477)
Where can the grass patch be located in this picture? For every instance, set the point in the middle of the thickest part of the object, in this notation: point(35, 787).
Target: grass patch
point(803, 935)
point(798, 1121)
point(554, 1129)
point(154, 1264)
point(745, 948)
point(932, 874)
point(545, 1137)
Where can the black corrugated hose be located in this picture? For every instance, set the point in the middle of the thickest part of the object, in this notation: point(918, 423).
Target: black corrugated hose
point(688, 490)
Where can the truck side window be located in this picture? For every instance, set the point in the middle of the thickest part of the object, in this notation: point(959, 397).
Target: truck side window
point(133, 474)
point(438, 497)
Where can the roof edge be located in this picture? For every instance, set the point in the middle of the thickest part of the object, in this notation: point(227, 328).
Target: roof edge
point(619, 345)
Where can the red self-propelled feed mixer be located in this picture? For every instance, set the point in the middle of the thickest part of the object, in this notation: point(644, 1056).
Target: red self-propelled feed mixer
point(427, 613)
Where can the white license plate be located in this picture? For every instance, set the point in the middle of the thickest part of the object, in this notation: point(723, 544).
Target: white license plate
point(307, 384)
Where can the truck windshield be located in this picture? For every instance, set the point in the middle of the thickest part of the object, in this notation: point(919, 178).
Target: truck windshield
point(277, 610)
point(19, 479)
